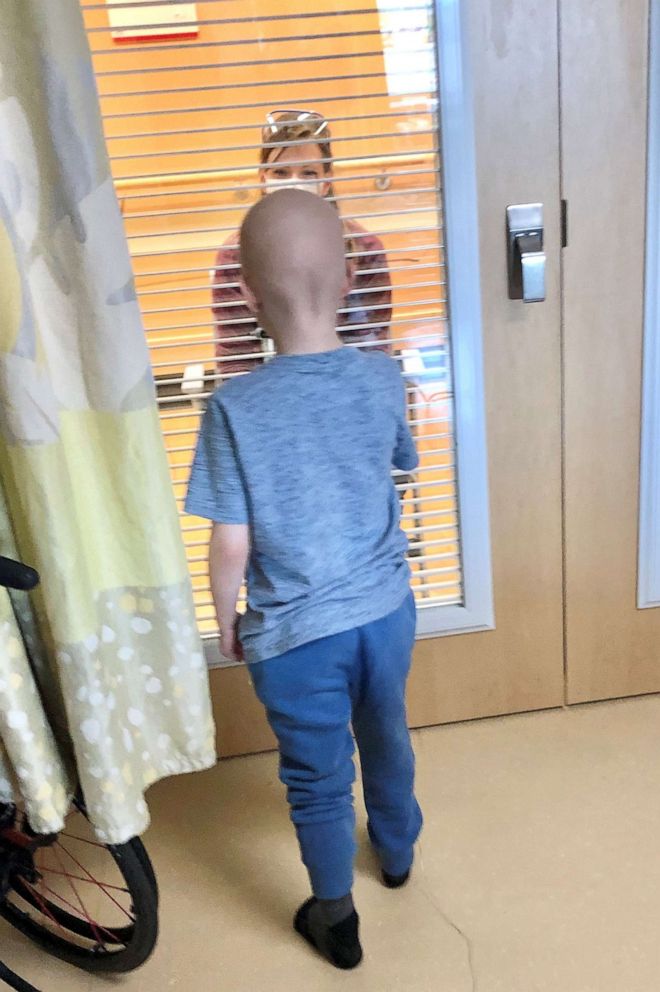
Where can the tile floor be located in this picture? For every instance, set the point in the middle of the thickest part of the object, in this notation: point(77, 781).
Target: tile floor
point(538, 871)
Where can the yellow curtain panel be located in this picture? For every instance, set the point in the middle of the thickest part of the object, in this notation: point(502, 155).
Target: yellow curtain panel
point(102, 673)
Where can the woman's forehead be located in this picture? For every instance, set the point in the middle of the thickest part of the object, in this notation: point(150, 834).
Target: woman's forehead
point(296, 154)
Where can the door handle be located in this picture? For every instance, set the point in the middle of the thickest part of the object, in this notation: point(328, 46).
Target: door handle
point(525, 254)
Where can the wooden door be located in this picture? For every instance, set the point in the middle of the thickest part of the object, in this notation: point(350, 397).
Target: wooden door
point(613, 647)
point(518, 665)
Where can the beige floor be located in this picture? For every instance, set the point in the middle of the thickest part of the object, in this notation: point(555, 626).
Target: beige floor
point(538, 871)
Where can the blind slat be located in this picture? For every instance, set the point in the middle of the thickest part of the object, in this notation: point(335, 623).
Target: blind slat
point(255, 125)
point(187, 231)
point(158, 273)
point(253, 167)
point(257, 147)
point(271, 83)
point(207, 286)
point(350, 327)
point(354, 237)
point(265, 104)
point(424, 586)
point(369, 290)
point(224, 207)
point(229, 42)
point(243, 187)
point(243, 63)
point(251, 337)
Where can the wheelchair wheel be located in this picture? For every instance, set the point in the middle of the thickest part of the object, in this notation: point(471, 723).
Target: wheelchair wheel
point(93, 905)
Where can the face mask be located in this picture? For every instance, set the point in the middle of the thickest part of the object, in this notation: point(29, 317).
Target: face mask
point(272, 184)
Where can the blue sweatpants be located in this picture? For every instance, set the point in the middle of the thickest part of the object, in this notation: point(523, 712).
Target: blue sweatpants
point(311, 695)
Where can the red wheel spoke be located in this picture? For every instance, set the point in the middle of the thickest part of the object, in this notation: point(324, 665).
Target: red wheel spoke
point(40, 868)
point(56, 895)
point(60, 898)
point(100, 884)
point(83, 840)
point(43, 905)
point(88, 881)
point(91, 922)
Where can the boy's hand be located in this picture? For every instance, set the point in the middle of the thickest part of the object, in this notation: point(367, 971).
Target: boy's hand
point(230, 644)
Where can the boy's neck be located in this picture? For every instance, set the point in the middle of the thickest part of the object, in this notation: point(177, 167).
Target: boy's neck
point(306, 338)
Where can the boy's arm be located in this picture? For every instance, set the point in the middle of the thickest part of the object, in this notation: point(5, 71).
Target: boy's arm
point(228, 556)
point(217, 491)
point(405, 457)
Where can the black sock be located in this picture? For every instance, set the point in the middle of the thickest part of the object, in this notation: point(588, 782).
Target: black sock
point(333, 911)
point(338, 941)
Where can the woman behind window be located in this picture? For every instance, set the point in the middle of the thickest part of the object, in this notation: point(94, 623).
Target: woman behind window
point(296, 151)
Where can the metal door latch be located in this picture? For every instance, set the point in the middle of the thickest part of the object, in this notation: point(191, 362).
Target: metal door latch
point(525, 254)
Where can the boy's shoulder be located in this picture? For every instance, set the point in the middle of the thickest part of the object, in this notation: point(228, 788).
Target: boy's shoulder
point(382, 364)
point(384, 361)
point(239, 386)
point(270, 375)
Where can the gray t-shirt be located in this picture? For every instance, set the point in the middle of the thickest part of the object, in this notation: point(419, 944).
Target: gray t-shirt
point(302, 450)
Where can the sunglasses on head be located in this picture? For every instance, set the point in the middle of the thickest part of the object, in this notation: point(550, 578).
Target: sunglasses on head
point(277, 120)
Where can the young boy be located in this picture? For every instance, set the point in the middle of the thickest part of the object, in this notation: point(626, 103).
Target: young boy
point(294, 467)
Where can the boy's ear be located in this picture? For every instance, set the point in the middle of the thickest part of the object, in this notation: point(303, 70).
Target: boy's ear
point(249, 297)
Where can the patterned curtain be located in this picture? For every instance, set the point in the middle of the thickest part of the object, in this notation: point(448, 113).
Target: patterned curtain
point(102, 674)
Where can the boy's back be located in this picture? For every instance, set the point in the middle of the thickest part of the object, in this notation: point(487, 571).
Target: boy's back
point(302, 451)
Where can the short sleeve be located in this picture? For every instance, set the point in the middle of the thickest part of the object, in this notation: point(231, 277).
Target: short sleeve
point(216, 489)
point(405, 457)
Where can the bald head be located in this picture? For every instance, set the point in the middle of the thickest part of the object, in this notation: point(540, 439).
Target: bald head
point(293, 260)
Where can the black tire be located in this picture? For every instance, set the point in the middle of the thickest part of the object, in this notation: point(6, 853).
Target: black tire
point(147, 867)
point(134, 943)
point(140, 850)
point(15, 981)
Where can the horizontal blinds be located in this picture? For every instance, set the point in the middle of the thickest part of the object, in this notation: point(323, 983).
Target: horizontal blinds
point(183, 115)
